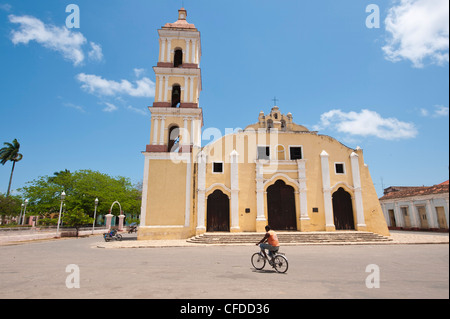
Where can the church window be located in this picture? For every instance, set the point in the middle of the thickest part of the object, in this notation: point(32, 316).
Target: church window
point(263, 152)
point(280, 153)
point(283, 125)
point(176, 95)
point(295, 152)
point(269, 124)
point(218, 167)
point(178, 58)
point(174, 139)
point(339, 168)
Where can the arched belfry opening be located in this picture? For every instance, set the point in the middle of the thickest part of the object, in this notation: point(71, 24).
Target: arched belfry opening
point(176, 95)
point(174, 139)
point(178, 58)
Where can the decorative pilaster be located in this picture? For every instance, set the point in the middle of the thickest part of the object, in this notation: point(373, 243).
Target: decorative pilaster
point(201, 200)
point(161, 134)
point(360, 220)
point(261, 221)
point(328, 204)
point(234, 163)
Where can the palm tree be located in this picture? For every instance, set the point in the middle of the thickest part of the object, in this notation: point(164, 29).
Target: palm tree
point(10, 153)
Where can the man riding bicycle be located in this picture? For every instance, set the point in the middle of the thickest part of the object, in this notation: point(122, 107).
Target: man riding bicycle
point(272, 245)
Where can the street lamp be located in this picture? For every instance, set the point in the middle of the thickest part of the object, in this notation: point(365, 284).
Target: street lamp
point(24, 210)
point(63, 196)
point(20, 215)
point(95, 214)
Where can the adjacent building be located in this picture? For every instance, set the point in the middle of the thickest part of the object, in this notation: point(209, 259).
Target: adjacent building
point(416, 208)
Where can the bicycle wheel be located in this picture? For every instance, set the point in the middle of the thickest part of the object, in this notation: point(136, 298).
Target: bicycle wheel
point(258, 261)
point(280, 264)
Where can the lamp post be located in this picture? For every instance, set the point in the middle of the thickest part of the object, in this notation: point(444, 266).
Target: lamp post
point(63, 196)
point(95, 214)
point(20, 215)
point(24, 210)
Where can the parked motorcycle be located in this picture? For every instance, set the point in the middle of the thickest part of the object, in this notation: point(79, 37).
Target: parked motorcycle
point(112, 235)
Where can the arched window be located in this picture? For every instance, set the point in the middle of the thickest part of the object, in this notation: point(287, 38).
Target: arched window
point(269, 124)
point(280, 153)
point(176, 95)
point(178, 58)
point(174, 139)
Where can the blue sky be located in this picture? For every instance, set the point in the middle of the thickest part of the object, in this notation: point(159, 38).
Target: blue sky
point(384, 89)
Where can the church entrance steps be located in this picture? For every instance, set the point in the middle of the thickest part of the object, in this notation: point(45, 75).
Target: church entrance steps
point(291, 237)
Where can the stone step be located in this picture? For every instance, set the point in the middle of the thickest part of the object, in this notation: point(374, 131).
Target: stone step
point(289, 237)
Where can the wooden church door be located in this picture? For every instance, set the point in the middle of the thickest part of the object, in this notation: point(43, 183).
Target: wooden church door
point(281, 206)
point(218, 212)
point(343, 210)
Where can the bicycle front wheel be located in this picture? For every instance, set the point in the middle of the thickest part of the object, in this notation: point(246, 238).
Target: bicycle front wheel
point(280, 264)
point(258, 261)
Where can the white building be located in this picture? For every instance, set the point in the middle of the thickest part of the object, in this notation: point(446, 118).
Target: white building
point(416, 208)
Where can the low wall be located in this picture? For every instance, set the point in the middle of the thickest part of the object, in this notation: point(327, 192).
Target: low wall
point(29, 236)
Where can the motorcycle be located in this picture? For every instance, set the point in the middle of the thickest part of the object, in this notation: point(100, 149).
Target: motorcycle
point(112, 235)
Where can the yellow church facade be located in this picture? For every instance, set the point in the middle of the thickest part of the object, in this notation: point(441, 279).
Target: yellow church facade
point(272, 172)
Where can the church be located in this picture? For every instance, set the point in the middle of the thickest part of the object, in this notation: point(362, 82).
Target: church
point(272, 172)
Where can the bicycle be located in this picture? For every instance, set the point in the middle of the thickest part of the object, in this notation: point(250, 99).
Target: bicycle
point(279, 262)
point(112, 235)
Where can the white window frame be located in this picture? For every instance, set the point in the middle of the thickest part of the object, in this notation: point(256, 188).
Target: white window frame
point(257, 152)
point(212, 167)
point(343, 166)
point(301, 151)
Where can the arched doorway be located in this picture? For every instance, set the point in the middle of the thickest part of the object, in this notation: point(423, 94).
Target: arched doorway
point(343, 210)
point(281, 206)
point(218, 212)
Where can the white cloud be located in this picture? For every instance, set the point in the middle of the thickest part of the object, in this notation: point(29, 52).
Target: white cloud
point(5, 7)
point(366, 123)
point(439, 111)
point(136, 110)
point(74, 106)
point(60, 39)
point(97, 85)
point(138, 72)
point(96, 53)
point(418, 31)
point(110, 107)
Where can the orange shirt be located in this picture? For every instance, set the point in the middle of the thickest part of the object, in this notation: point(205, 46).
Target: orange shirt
point(273, 239)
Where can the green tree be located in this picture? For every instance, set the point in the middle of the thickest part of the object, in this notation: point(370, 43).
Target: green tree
point(10, 153)
point(82, 188)
point(9, 206)
point(77, 218)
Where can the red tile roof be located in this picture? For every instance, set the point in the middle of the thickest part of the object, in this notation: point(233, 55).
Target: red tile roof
point(401, 191)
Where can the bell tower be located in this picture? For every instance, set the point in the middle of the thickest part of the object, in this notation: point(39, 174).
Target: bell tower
point(167, 208)
point(176, 116)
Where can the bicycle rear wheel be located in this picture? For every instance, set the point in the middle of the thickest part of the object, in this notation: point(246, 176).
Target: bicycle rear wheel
point(258, 261)
point(280, 264)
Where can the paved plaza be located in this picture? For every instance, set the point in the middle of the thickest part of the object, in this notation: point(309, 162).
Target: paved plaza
point(38, 270)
